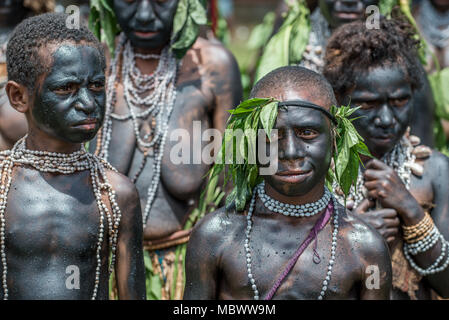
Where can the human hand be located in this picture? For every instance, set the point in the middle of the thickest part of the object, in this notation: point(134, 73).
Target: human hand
point(385, 221)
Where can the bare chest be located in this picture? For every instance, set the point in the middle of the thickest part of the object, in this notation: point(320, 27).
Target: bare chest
point(271, 252)
point(49, 215)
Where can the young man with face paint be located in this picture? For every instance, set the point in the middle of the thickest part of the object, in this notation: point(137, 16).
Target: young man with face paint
point(242, 255)
point(63, 210)
point(405, 182)
point(189, 92)
point(13, 124)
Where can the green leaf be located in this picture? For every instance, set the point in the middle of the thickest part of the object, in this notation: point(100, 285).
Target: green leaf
point(180, 18)
point(300, 34)
point(276, 53)
point(239, 111)
point(187, 36)
point(386, 6)
point(268, 117)
point(230, 199)
point(288, 44)
point(262, 32)
point(361, 148)
point(190, 14)
point(439, 82)
point(197, 12)
point(254, 102)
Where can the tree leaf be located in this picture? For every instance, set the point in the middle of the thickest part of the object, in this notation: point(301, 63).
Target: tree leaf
point(180, 17)
point(268, 116)
point(276, 53)
point(198, 12)
point(439, 81)
point(262, 32)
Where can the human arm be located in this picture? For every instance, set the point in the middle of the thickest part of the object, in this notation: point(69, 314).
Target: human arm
point(384, 186)
point(375, 263)
point(201, 260)
point(129, 266)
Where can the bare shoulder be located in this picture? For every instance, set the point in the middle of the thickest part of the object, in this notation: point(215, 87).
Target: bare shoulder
point(212, 54)
point(436, 165)
point(122, 185)
point(365, 242)
point(215, 227)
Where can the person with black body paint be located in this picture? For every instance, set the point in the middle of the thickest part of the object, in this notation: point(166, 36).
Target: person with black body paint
point(196, 89)
point(63, 210)
point(404, 188)
point(241, 255)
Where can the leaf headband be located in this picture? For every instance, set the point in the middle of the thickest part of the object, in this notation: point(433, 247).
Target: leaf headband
point(261, 113)
point(190, 14)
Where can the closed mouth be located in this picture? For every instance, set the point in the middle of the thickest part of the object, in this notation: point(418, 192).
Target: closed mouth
point(89, 124)
point(295, 176)
point(348, 15)
point(383, 138)
point(145, 34)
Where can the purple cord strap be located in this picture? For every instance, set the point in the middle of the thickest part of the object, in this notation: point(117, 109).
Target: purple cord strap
point(319, 225)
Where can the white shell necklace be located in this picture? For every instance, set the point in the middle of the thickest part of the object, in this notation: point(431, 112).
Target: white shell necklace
point(155, 95)
point(248, 256)
point(62, 163)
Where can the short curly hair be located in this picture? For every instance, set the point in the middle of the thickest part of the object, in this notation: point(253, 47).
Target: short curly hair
point(355, 49)
point(23, 62)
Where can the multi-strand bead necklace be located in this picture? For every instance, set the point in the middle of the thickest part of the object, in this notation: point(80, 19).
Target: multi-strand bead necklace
point(154, 94)
point(298, 211)
point(62, 163)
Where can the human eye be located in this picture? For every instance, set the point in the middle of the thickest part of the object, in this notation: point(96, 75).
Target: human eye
point(96, 86)
point(306, 133)
point(64, 89)
point(399, 102)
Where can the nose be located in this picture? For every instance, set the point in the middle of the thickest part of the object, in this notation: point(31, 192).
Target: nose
point(86, 102)
point(145, 12)
point(290, 149)
point(385, 117)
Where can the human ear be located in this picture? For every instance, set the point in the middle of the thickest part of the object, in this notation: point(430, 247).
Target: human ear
point(18, 96)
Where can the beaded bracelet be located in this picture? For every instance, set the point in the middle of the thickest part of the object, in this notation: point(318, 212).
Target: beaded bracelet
point(419, 231)
point(425, 244)
point(417, 226)
point(433, 268)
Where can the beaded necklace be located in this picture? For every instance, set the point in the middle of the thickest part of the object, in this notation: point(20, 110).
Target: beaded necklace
point(62, 163)
point(400, 159)
point(155, 95)
point(259, 190)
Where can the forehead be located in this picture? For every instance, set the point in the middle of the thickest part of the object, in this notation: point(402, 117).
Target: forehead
point(294, 116)
point(382, 79)
point(74, 60)
point(312, 94)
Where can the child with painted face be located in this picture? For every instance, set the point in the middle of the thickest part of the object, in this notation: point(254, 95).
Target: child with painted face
point(63, 210)
point(403, 191)
point(292, 240)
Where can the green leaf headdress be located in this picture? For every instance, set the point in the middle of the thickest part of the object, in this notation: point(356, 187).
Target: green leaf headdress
point(190, 14)
point(261, 113)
